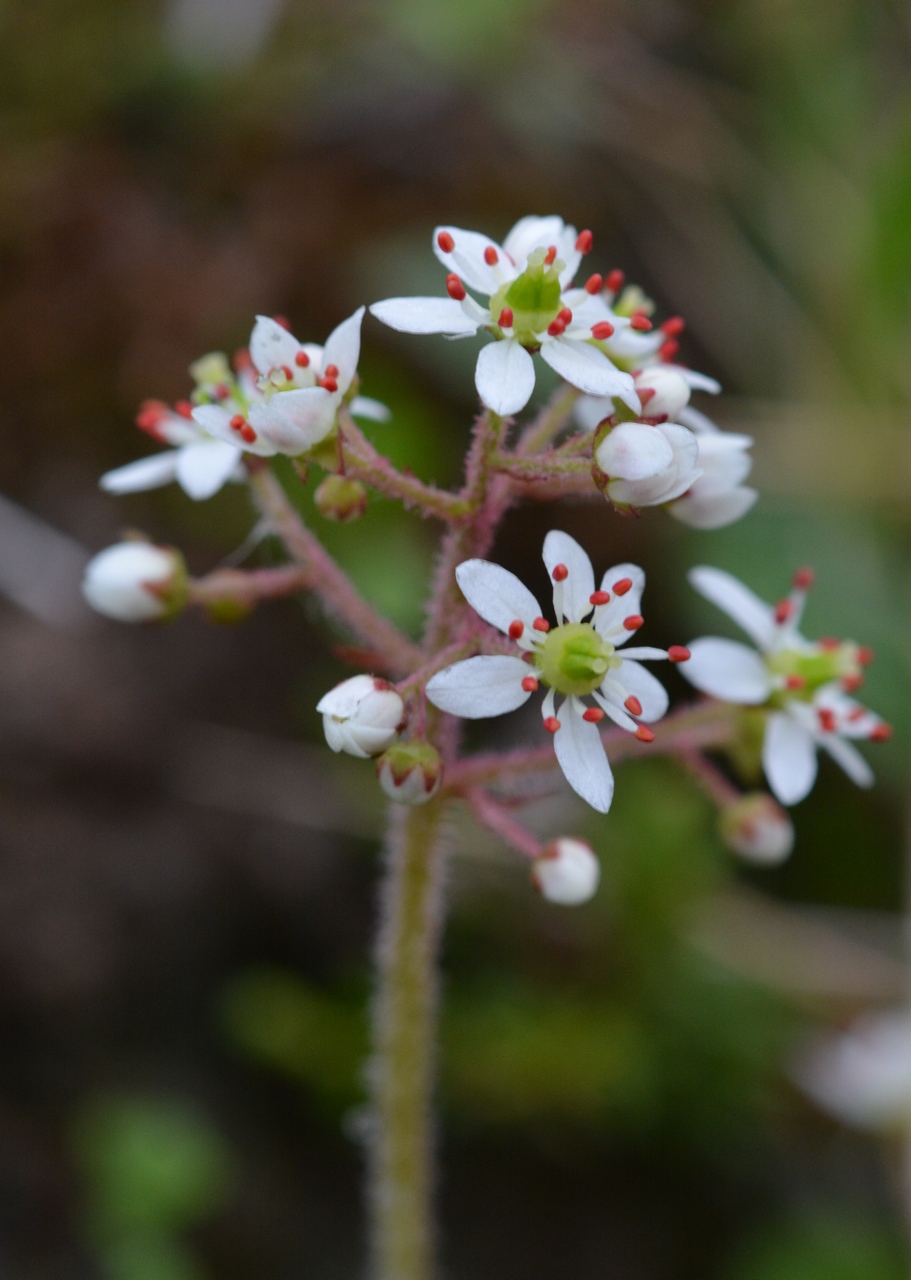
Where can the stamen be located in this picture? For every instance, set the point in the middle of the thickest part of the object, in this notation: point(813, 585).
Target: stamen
point(633, 705)
point(247, 433)
point(454, 287)
point(551, 724)
point(541, 624)
point(289, 376)
point(560, 573)
point(446, 242)
point(599, 597)
point(795, 682)
point(515, 629)
point(302, 359)
point(803, 579)
point(565, 315)
point(865, 655)
point(550, 256)
point(615, 280)
point(852, 683)
point(491, 257)
point(603, 329)
point(594, 284)
point(783, 611)
point(668, 350)
point(329, 384)
point(826, 719)
point(622, 586)
point(679, 653)
point(641, 322)
point(593, 714)
point(556, 327)
point(857, 714)
point(829, 643)
point(331, 371)
point(506, 318)
point(184, 408)
point(633, 622)
point(529, 684)
point(673, 325)
point(585, 241)
point(237, 422)
point(644, 734)
point(882, 733)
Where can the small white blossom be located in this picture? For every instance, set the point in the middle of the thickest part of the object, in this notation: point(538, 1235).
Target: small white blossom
point(863, 1075)
point(136, 582)
point(567, 872)
point(576, 659)
point(717, 497)
point(803, 685)
point(648, 464)
point(361, 716)
point(530, 306)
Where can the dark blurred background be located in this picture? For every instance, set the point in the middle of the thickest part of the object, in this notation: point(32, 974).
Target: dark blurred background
point(187, 878)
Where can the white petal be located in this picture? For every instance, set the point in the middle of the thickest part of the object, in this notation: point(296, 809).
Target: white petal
point(560, 548)
point(634, 451)
point(698, 381)
point(737, 601)
point(644, 686)
point(713, 510)
point(272, 346)
point(698, 421)
point(609, 617)
point(505, 376)
point(849, 758)
point(468, 262)
point(496, 594)
point(585, 367)
point(147, 473)
point(788, 757)
point(532, 233)
point(580, 752)
point(294, 421)
point(365, 407)
point(610, 699)
point(724, 459)
point(203, 467)
point(424, 315)
point(569, 255)
point(480, 687)
point(216, 422)
point(590, 411)
point(343, 349)
point(727, 670)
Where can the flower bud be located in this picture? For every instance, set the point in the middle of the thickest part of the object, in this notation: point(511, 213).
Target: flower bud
point(634, 451)
point(136, 582)
point(410, 772)
point(757, 829)
point(361, 716)
point(662, 392)
point(338, 498)
point(566, 872)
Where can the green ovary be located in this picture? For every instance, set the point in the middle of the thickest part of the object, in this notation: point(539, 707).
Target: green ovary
point(534, 298)
point(574, 659)
point(815, 668)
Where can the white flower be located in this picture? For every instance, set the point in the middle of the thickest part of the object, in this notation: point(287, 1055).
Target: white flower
point(576, 659)
point(717, 498)
point(361, 716)
point(862, 1076)
point(803, 685)
point(648, 464)
point(136, 582)
point(757, 829)
point(567, 872)
point(530, 306)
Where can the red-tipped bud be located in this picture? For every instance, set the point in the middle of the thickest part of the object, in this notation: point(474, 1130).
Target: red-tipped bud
point(603, 329)
point(622, 585)
point(515, 629)
point(560, 573)
point(446, 242)
point(599, 597)
point(551, 724)
point(550, 256)
point(678, 653)
point(302, 359)
point(410, 772)
point(641, 322)
point(454, 287)
point(594, 284)
point(615, 280)
point(541, 624)
point(530, 684)
point(633, 705)
point(556, 327)
point(803, 579)
point(757, 829)
point(567, 872)
point(882, 732)
point(491, 257)
point(673, 326)
point(506, 318)
point(585, 241)
point(633, 622)
point(593, 715)
point(644, 734)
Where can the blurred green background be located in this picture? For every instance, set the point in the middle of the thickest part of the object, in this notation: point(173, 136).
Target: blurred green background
point(187, 881)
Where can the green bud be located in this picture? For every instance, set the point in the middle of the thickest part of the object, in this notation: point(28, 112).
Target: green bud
point(339, 498)
point(410, 772)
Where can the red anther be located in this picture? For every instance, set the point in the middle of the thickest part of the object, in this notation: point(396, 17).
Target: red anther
point(668, 350)
point(560, 573)
point(515, 629)
point(221, 391)
point(881, 733)
point(615, 280)
point(857, 714)
point(644, 734)
point(679, 653)
point(491, 257)
point(865, 655)
point(852, 683)
point(331, 371)
point(506, 318)
point(184, 408)
point(454, 287)
point(302, 359)
point(829, 643)
point(640, 321)
point(826, 719)
point(673, 325)
point(795, 682)
point(551, 724)
point(237, 422)
point(584, 241)
point(283, 321)
point(529, 684)
point(594, 284)
point(247, 433)
point(599, 597)
point(446, 242)
point(803, 579)
point(289, 376)
point(556, 327)
point(622, 585)
point(550, 255)
point(633, 705)
point(541, 624)
point(646, 394)
point(593, 714)
point(633, 622)
point(566, 316)
point(329, 384)
point(783, 611)
point(603, 329)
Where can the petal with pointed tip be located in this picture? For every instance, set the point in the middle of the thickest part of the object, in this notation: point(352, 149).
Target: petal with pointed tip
point(146, 473)
point(737, 601)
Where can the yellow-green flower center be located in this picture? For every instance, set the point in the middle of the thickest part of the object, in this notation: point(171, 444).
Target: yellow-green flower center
point(574, 659)
point(806, 671)
point(534, 298)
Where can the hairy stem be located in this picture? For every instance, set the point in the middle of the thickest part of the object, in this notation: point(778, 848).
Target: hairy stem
point(497, 819)
point(404, 1040)
point(363, 462)
point(711, 781)
point(246, 587)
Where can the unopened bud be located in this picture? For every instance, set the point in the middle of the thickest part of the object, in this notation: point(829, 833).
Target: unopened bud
point(634, 451)
point(339, 498)
point(567, 872)
point(410, 772)
point(361, 716)
point(136, 582)
point(757, 829)
point(669, 392)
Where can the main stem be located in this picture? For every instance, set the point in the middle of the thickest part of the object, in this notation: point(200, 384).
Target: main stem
point(402, 1068)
